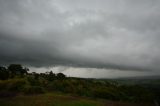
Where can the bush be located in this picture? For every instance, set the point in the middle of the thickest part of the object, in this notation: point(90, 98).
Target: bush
point(16, 85)
point(33, 90)
point(106, 93)
point(3, 85)
point(32, 81)
point(12, 84)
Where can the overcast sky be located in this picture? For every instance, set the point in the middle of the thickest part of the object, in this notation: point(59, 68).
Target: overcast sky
point(84, 38)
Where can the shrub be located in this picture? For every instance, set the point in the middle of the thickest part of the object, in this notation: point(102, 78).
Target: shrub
point(16, 85)
point(32, 81)
point(3, 85)
point(12, 84)
point(33, 90)
point(107, 93)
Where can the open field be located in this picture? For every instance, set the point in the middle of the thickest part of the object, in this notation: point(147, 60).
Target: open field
point(59, 99)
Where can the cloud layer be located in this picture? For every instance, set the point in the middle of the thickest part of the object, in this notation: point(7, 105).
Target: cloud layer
point(113, 34)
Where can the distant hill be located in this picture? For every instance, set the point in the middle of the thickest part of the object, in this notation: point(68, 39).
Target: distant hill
point(141, 77)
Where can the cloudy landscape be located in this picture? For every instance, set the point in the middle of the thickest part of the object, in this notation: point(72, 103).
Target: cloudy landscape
point(82, 38)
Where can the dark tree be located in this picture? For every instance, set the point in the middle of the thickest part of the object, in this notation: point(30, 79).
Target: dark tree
point(61, 76)
point(36, 75)
point(4, 74)
point(25, 70)
point(51, 76)
point(17, 69)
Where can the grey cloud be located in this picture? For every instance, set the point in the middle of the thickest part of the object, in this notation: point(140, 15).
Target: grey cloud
point(113, 34)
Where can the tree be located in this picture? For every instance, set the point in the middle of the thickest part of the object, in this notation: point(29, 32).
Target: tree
point(4, 74)
point(61, 76)
point(17, 69)
point(36, 75)
point(51, 76)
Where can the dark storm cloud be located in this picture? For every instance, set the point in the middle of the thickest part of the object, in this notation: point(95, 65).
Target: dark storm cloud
point(111, 34)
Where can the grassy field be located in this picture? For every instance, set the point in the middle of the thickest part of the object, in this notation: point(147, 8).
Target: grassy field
point(59, 99)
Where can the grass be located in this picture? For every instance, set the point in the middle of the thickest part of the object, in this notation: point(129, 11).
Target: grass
point(58, 99)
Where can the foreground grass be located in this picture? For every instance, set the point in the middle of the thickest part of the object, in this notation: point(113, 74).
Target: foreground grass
point(57, 99)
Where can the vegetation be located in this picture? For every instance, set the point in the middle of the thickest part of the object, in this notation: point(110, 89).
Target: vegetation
point(61, 99)
point(15, 79)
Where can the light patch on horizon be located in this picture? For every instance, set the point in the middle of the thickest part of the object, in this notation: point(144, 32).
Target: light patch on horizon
point(91, 72)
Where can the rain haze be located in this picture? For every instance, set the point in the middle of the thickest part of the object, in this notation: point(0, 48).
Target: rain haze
point(82, 38)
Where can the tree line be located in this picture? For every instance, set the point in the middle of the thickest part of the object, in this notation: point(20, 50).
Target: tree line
point(14, 70)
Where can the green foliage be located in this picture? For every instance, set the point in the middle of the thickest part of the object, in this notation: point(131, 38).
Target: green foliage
point(33, 90)
point(12, 84)
point(136, 93)
point(32, 81)
point(36, 75)
point(17, 69)
point(60, 76)
point(35, 83)
point(107, 93)
point(61, 99)
point(51, 76)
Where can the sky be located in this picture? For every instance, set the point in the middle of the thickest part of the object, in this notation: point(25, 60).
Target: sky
point(82, 38)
